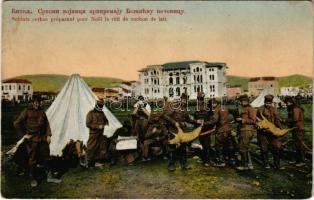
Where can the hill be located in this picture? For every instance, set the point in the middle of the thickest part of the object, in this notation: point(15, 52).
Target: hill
point(294, 80)
point(54, 82)
point(284, 81)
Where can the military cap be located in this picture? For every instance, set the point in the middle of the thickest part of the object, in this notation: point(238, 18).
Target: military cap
point(140, 98)
point(36, 98)
point(268, 98)
point(244, 97)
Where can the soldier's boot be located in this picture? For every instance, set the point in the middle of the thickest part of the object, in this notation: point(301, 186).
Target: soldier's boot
point(232, 158)
point(171, 165)
point(205, 157)
point(90, 163)
point(265, 160)
point(250, 164)
point(300, 159)
point(277, 165)
point(33, 182)
point(244, 162)
point(183, 160)
point(220, 159)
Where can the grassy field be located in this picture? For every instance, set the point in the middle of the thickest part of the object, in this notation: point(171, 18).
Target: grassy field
point(152, 180)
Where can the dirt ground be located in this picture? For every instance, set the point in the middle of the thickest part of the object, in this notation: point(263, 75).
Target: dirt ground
point(152, 180)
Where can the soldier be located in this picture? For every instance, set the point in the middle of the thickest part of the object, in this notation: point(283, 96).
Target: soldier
point(157, 134)
point(176, 115)
point(96, 121)
point(223, 137)
point(204, 114)
point(247, 122)
point(296, 119)
point(34, 125)
point(128, 156)
point(264, 137)
point(141, 112)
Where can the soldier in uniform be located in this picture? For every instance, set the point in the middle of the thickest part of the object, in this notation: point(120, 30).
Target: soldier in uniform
point(223, 137)
point(96, 121)
point(128, 156)
point(157, 134)
point(247, 123)
point(296, 119)
point(34, 125)
point(141, 113)
point(177, 115)
point(204, 114)
point(264, 137)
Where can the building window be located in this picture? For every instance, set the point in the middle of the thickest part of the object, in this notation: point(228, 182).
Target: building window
point(178, 91)
point(10, 87)
point(184, 80)
point(185, 90)
point(201, 79)
point(178, 80)
point(170, 92)
point(2, 88)
point(170, 81)
point(170, 74)
point(213, 88)
point(197, 69)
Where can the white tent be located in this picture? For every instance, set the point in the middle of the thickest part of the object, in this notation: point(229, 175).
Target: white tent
point(259, 101)
point(67, 114)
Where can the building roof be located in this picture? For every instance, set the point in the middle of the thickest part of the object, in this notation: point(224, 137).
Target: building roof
point(186, 64)
point(125, 90)
point(127, 83)
point(46, 93)
point(111, 90)
point(98, 89)
point(16, 81)
point(265, 78)
point(178, 65)
point(183, 65)
point(104, 90)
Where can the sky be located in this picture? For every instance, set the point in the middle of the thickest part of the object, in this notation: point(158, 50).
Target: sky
point(254, 39)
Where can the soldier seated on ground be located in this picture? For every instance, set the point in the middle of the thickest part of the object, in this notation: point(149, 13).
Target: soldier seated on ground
point(125, 156)
point(72, 155)
point(155, 139)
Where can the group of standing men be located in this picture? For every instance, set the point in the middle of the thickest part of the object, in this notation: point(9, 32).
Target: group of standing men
point(33, 123)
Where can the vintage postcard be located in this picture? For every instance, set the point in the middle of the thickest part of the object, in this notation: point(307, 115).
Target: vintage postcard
point(157, 99)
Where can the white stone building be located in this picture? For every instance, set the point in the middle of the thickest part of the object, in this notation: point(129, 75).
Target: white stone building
point(289, 91)
point(17, 90)
point(190, 77)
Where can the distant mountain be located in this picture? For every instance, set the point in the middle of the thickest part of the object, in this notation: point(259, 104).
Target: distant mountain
point(284, 81)
point(54, 82)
